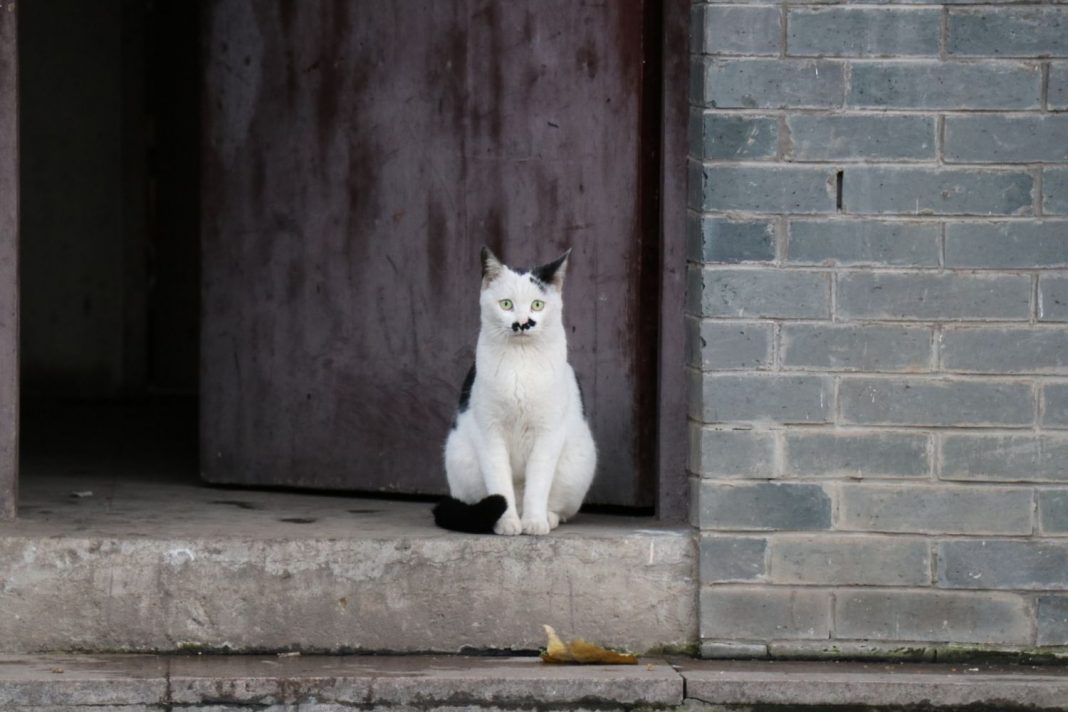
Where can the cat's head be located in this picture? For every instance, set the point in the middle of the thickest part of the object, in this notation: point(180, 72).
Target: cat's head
point(521, 304)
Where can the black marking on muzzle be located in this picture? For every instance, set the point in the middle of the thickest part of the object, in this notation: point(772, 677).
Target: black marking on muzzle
point(530, 324)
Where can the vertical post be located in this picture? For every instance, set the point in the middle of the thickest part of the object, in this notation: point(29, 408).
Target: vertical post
point(9, 244)
point(674, 489)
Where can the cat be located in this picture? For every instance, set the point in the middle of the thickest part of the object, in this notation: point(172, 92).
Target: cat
point(520, 456)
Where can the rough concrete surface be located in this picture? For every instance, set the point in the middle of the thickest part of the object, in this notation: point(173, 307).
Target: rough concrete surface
point(319, 683)
point(165, 566)
point(884, 686)
point(128, 683)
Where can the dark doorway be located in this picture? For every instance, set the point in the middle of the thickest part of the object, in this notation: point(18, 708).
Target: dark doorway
point(109, 172)
point(357, 155)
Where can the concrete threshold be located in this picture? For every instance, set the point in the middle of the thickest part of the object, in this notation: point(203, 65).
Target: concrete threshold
point(132, 683)
point(101, 562)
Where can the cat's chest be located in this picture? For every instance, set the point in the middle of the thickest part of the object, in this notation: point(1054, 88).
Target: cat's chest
point(519, 393)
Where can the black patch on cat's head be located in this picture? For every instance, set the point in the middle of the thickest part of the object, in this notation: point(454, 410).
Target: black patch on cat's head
point(465, 389)
point(551, 273)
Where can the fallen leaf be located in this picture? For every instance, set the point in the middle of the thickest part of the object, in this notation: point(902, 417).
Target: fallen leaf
point(582, 652)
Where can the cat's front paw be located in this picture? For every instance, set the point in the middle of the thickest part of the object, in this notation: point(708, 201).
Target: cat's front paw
point(508, 525)
point(536, 525)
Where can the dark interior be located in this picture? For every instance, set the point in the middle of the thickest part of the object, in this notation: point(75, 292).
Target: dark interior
point(109, 116)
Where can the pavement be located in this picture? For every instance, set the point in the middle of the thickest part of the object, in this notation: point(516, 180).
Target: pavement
point(132, 683)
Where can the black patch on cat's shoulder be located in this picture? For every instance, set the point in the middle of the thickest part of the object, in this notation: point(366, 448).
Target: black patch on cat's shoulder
point(582, 396)
point(465, 389)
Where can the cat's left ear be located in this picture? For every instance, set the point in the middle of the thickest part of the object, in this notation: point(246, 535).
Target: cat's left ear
point(491, 266)
point(553, 273)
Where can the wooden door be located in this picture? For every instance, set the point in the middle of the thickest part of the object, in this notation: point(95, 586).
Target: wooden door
point(9, 239)
point(356, 157)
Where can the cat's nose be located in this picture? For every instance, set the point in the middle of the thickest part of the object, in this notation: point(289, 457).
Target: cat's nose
point(528, 324)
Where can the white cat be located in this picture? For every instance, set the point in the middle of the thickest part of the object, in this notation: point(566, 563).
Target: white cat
point(520, 456)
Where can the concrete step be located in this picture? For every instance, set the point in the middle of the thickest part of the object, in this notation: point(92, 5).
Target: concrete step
point(223, 683)
point(137, 683)
point(165, 566)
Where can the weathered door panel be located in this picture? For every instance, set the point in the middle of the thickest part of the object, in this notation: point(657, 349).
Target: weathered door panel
point(357, 155)
point(9, 239)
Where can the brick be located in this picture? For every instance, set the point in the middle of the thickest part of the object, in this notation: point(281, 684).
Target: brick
point(1000, 563)
point(1052, 298)
point(1005, 139)
point(934, 191)
point(901, 401)
point(933, 616)
point(850, 560)
point(861, 137)
point(725, 559)
point(1057, 91)
point(765, 293)
point(999, 350)
point(746, 612)
point(1005, 458)
point(760, 506)
point(773, 398)
point(1053, 511)
point(1055, 405)
point(945, 85)
point(714, 345)
point(695, 185)
point(732, 137)
point(1052, 620)
point(856, 348)
point(875, 295)
point(694, 290)
point(716, 239)
point(1004, 32)
point(1055, 191)
point(752, 30)
point(769, 189)
point(1007, 245)
point(732, 453)
point(770, 84)
point(864, 242)
point(863, 32)
point(934, 509)
point(856, 455)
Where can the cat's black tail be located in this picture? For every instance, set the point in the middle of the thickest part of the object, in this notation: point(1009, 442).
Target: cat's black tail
point(478, 518)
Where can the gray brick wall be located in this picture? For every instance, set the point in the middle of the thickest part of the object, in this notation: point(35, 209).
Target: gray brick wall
point(877, 327)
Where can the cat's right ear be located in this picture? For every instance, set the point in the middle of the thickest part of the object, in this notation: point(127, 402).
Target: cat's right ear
point(491, 266)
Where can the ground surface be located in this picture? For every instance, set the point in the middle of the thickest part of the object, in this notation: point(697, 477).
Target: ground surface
point(138, 682)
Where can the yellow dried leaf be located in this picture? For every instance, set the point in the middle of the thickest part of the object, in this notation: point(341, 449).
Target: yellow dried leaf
point(582, 652)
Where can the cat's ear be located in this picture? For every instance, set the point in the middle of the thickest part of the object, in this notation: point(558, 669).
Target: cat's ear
point(553, 272)
point(491, 266)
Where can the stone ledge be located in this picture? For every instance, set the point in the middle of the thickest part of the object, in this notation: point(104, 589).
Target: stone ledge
point(135, 683)
point(409, 682)
point(890, 686)
point(174, 567)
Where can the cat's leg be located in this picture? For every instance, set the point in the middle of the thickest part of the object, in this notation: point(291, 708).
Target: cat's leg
point(461, 465)
point(541, 466)
point(574, 474)
point(497, 474)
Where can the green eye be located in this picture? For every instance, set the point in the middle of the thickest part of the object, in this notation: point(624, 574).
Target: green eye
point(506, 304)
point(537, 305)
